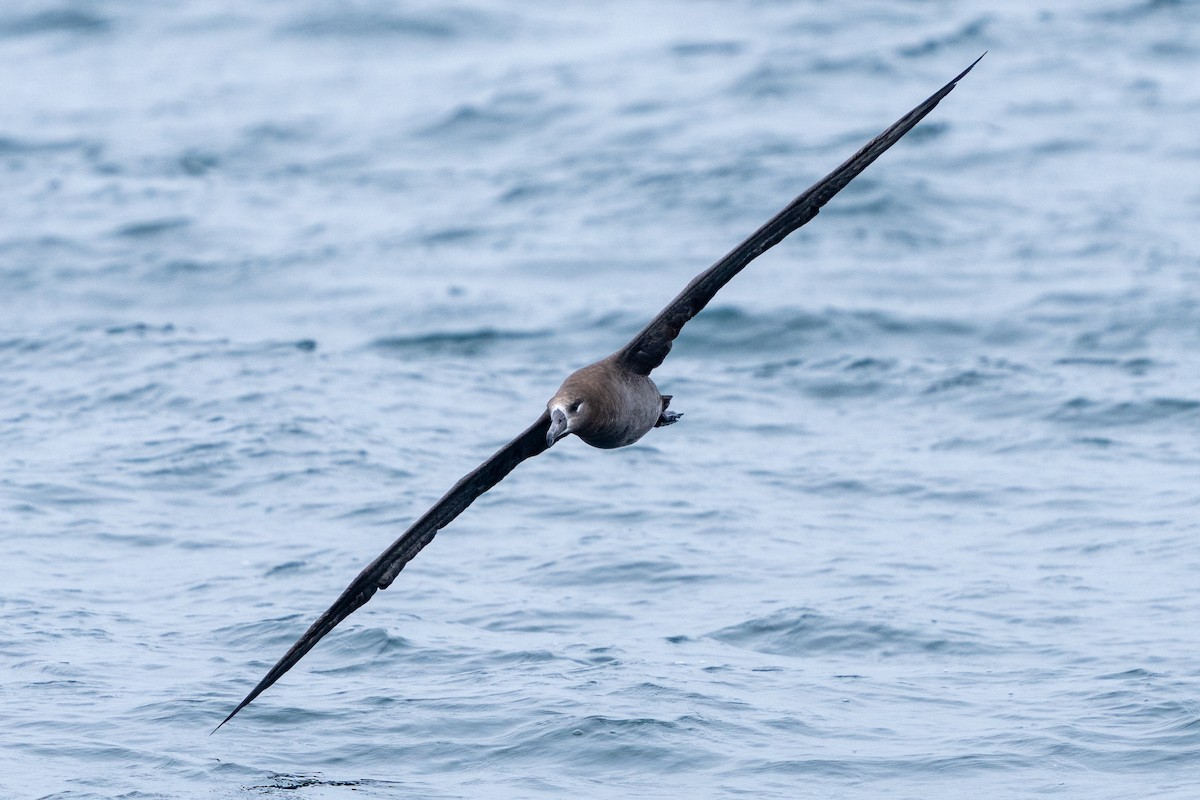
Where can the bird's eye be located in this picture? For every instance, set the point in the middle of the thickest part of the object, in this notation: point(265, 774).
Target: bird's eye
point(575, 406)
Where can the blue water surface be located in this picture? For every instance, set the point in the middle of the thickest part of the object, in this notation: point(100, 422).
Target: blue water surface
point(273, 275)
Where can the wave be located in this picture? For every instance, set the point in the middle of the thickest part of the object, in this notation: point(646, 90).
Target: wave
point(51, 21)
point(458, 343)
point(366, 21)
point(803, 632)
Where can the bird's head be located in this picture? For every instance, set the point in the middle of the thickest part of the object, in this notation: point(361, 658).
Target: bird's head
point(568, 414)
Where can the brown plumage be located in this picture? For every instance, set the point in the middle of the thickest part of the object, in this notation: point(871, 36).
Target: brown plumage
point(611, 403)
point(607, 405)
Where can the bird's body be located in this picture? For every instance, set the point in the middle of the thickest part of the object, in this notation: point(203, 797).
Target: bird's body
point(608, 404)
point(605, 404)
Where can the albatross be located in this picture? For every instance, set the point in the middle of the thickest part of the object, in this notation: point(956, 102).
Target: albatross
point(611, 403)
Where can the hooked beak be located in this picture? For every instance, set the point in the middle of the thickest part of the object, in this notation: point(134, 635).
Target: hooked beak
point(558, 427)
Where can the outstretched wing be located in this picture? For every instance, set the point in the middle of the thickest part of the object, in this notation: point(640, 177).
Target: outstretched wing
point(648, 349)
point(380, 573)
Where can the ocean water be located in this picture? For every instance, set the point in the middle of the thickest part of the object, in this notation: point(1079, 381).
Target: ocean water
point(274, 275)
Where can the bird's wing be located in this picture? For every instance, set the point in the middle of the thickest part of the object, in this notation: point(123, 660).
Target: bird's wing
point(380, 573)
point(648, 349)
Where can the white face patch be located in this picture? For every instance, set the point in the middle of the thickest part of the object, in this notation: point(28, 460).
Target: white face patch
point(560, 424)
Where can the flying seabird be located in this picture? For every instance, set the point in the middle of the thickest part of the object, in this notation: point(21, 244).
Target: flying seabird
point(611, 403)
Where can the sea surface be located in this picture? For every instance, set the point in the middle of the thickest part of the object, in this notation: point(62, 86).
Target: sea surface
point(274, 275)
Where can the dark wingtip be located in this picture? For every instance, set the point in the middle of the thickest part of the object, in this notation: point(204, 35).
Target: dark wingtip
point(945, 90)
point(968, 69)
point(241, 705)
